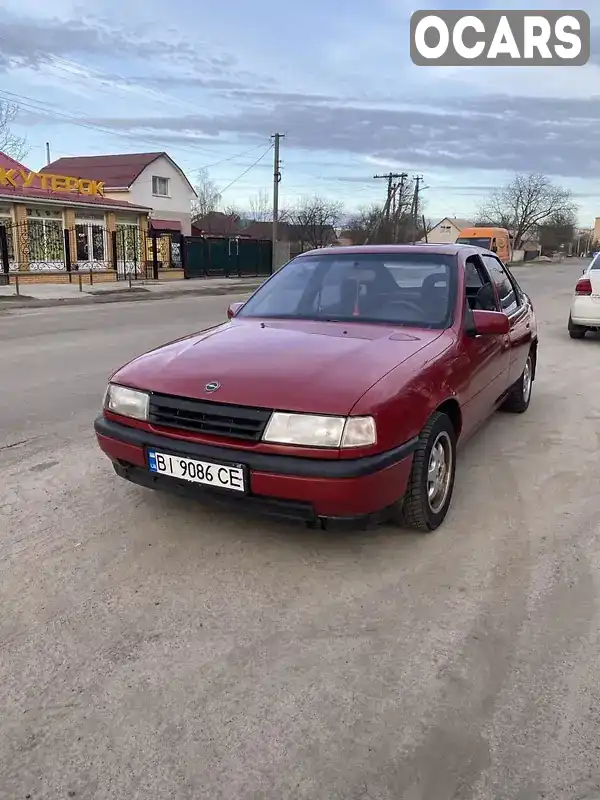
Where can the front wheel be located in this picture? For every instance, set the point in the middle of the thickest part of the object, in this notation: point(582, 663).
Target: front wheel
point(431, 483)
point(519, 398)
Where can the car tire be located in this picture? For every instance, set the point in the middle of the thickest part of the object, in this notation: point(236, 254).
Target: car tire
point(424, 507)
point(576, 331)
point(519, 397)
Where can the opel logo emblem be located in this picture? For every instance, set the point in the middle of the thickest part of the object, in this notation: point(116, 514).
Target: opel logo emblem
point(212, 386)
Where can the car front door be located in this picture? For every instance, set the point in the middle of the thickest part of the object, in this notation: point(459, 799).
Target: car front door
point(516, 307)
point(484, 364)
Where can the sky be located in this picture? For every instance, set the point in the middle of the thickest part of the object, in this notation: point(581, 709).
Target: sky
point(209, 82)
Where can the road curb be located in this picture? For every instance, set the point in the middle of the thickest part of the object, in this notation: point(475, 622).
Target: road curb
point(136, 294)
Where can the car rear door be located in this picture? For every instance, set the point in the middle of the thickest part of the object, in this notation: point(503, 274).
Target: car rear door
point(515, 305)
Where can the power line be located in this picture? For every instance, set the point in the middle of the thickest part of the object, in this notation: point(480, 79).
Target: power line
point(258, 160)
point(105, 78)
point(29, 103)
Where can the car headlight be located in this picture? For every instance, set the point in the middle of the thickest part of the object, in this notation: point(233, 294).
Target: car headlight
point(310, 430)
point(127, 402)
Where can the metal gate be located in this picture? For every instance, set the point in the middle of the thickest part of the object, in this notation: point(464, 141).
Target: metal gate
point(215, 257)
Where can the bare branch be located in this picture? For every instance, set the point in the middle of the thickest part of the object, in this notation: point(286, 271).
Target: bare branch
point(525, 204)
point(260, 207)
point(314, 219)
point(10, 143)
point(208, 199)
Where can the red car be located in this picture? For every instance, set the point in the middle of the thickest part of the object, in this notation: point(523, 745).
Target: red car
point(337, 392)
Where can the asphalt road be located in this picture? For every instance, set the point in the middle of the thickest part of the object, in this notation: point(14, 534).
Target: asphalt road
point(152, 649)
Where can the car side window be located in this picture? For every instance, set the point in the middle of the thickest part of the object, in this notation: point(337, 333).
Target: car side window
point(479, 290)
point(507, 294)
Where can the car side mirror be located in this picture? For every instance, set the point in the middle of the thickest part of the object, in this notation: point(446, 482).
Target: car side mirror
point(233, 309)
point(489, 323)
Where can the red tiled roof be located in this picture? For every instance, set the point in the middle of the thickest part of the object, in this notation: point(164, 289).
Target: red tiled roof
point(117, 171)
point(35, 191)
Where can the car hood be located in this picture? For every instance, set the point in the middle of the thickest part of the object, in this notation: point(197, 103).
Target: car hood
point(291, 365)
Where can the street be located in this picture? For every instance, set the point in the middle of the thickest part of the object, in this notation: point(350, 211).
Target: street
point(152, 649)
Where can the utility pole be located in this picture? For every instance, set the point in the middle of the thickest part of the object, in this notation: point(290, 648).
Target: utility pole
point(398, 206)
point(391, 196)
point(276, 181)
point(47, 153)
point(415, 206)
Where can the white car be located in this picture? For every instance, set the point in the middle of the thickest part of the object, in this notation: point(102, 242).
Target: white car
point(585, 305)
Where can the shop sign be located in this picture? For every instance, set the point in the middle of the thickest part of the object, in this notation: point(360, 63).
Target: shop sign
point(23, 179)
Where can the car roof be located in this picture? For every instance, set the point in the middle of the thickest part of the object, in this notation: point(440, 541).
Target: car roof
point(385, 249)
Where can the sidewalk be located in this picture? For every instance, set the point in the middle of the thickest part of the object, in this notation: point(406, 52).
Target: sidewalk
point(44, 295)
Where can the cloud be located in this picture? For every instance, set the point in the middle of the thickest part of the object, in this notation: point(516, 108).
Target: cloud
point(499, 133)
point(33, 43)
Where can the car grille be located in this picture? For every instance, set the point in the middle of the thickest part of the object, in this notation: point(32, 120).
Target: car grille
point(215, 419)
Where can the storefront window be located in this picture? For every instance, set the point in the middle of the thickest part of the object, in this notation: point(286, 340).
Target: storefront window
point(91, 244)
point(45, 240)
point(7, 223)
point(45, 237)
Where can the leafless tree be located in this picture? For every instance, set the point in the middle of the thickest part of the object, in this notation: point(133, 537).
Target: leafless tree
point(526, 203)
point(557, 233)
point(364, 224)
point(10, 143)
point(314, 220)
point(260, 207)
point(208, 198)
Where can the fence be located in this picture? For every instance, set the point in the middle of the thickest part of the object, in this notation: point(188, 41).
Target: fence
point(44, 246)
point(213, 257)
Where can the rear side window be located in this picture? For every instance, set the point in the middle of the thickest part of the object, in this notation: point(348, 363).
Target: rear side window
point(596, 262)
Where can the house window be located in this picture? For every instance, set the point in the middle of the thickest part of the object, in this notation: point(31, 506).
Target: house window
point(45, 238)
point(160, 186)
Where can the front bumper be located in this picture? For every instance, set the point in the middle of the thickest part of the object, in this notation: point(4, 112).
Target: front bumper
point(354, 491)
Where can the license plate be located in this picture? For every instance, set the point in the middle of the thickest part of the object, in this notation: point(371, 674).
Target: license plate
point(204, 472)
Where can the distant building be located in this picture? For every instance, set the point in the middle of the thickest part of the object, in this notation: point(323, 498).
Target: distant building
point(446, 230)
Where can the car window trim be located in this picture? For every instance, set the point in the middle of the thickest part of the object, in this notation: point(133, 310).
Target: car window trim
point(515, 287)
point(485, 276)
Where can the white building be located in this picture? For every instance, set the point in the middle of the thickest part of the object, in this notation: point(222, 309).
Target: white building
point(152, 180)
point(446, 231)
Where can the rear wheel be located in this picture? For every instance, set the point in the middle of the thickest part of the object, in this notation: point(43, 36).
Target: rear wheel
point(431, 483)
point(519, 398)
point(576, 331)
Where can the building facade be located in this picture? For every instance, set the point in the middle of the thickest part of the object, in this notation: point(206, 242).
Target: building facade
point(52, 222)
point(150, 180)
point(446, 230)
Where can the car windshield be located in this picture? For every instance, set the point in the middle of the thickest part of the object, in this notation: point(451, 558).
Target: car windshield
point(479, 242)
point(414, 289)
